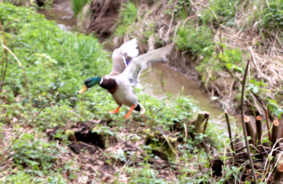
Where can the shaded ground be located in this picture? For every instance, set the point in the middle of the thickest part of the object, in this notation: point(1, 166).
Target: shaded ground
point(105, 154)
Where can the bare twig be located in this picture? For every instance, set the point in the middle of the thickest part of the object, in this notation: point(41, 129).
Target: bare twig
point(242, 118)
point(230, 133)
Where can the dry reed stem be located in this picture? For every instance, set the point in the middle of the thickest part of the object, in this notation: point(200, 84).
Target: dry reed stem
point(14, 56)
point(268, 162)
point(242, 117)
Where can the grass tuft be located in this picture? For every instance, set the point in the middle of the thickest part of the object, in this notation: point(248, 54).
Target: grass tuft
point(78, 5)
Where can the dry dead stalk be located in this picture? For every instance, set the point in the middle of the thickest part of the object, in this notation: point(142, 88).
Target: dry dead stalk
point(242, 117)
point(15, 57)
point(229, 132)
point(205, 124)
point(258, 128)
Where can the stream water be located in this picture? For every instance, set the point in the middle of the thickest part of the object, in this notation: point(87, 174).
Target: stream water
point(159, 80)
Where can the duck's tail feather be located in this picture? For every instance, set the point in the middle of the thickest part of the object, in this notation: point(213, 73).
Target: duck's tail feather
point(140, 108)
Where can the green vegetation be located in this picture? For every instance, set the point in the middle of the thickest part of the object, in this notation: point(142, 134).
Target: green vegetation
point(219, 11)
point(46, 3)
point(128, 15)
point(199, 43)
point(197, 40)
point(182, 8)
point(78, 5)
point(272, 15)
point(34, 154)
point(145, 175)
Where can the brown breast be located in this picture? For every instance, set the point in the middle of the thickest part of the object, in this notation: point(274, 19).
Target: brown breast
point(109, 84)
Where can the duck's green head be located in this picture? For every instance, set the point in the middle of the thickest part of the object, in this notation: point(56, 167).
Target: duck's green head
point(90, 82)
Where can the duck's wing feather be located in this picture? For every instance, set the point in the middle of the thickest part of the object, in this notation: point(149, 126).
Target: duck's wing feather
point(143, 61)
point(121, 55)
point(130, 48)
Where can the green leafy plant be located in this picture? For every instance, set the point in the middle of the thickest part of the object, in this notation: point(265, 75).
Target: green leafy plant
point(272, 15)
point(274, 108)
point(182, 8)
point(22, 177)
point(19, 177)
point(256, 86)
point(219, 11)
point(144, 175)
point(78, 5)
point(230, 59)
point(197, 40)
point(128, 16)
point(34, 154)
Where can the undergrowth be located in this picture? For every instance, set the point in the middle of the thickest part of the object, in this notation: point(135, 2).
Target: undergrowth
point(128, 15)
point(34, 3)
point(78, 5)
point(197, 40)
point(219, 12)
point(272, 15)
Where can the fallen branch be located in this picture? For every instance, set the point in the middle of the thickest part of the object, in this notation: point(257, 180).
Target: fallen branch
point(242, 118)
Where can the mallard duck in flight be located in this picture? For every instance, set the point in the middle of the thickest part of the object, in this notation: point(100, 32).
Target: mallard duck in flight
point(121, 85)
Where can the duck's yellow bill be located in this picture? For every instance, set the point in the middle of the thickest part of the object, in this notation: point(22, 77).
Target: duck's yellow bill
point(84, 89)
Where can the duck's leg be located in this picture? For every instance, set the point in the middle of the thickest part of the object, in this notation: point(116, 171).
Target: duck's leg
point(116, 110)
point(130, 111)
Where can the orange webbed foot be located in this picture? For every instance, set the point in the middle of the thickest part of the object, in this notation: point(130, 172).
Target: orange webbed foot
point(130, 112)
point(115, 111)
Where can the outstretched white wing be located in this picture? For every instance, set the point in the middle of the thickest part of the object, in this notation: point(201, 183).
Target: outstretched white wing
point(130, 48)
point(141, 62)
point(120, 55)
